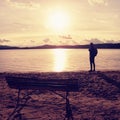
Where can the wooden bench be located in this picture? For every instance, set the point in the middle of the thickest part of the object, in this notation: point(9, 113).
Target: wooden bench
point(40, 83)
point(34, 83)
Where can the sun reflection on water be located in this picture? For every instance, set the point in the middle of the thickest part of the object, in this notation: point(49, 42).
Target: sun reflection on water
point(59, 59)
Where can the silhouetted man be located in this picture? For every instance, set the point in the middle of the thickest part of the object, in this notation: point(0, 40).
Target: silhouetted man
point(92, 54)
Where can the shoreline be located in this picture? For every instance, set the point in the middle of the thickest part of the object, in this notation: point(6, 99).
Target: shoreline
point(34, 72)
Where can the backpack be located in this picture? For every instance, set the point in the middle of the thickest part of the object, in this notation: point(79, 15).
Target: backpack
point(95, 52)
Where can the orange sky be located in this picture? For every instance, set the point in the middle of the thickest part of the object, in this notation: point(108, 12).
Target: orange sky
point(37, 22)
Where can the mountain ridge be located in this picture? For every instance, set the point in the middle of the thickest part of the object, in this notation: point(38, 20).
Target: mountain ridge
point(100, 46)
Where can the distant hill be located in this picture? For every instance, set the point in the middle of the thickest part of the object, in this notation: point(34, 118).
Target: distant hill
point(8, 47)
point(101, 46)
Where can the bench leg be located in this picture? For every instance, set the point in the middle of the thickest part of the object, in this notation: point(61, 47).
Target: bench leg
point(16, 112)
point(12, 115)
point(69, 115)
point(18, 99)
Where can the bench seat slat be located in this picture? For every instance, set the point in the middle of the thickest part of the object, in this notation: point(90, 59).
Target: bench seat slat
point(41, 83)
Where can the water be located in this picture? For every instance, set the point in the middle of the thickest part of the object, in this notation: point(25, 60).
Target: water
point(50, 60)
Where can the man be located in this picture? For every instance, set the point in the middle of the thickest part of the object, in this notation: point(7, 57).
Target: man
point(92, 53)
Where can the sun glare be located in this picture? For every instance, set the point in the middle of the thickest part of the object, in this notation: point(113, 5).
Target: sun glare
point(60, 59)
point(58, 20)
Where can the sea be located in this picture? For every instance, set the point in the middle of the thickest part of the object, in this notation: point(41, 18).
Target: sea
point(57, 60)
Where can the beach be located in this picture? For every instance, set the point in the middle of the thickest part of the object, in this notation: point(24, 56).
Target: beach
point(98, 97)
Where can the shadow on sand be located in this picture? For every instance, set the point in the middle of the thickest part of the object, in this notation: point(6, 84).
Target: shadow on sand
point(100, 85)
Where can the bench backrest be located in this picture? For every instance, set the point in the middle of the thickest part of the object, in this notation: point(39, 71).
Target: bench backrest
point(42, 83)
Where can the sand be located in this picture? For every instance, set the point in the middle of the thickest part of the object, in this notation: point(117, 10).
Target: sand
point(98, 97)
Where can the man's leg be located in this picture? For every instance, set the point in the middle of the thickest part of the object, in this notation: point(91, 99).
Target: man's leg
point(94, 64)
point(90, 63)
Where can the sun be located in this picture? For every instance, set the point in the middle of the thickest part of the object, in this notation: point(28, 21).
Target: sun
point(58, 20)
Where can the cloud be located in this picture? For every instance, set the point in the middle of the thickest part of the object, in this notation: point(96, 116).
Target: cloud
point(46, 40)
point(98, 2)
point(112, 41)
point(94, 40)
point(4, 41)
point(2, 2)
point(65, 37)
point(24, 3)
point(97, 41)
point(32, 41)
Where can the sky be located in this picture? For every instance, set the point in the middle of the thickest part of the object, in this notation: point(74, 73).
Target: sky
point(59, 22)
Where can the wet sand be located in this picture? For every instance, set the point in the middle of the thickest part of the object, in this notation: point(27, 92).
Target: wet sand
point(98, 97)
